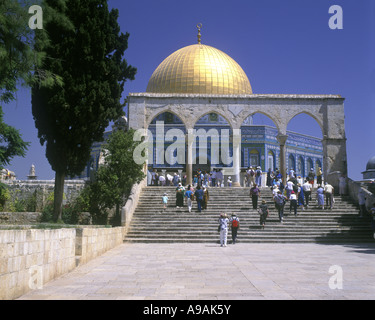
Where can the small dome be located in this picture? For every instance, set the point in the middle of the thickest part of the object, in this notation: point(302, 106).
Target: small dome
point(371, 164)
point(199, 69)
point(120, 124)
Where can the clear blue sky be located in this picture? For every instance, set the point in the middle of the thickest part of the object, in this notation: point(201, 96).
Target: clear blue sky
point(283, 46)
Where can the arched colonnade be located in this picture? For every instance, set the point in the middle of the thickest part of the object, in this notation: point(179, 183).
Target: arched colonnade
point(327, 110)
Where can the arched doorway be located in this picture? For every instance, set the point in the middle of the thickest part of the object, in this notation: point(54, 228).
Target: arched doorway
point(291, 163)
point(305, 138)
point(212, 145)
point(168, 145)
point(301, 167)
point(258, 149)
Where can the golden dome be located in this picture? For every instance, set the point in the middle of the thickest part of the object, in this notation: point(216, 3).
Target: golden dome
point(200, 69)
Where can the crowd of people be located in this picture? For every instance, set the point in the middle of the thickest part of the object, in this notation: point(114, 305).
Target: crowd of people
point(297, 191)
point(215, 178)
point(300, 195)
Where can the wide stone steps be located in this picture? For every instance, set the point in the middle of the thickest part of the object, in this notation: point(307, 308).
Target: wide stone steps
point(152, 224)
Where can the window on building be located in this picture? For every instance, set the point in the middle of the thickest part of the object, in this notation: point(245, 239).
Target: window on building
point(254, 158)
point(291, 162)
point(301, 167)
point(310, 165)
point(271, 160)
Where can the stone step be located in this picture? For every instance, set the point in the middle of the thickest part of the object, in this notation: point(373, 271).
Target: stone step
point(268, 231)
point(274, 235)
point(258, 239)
point(152, 224)
point(243, 216)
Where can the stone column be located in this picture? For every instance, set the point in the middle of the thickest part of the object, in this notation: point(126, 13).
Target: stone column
point(281, 138)
point(236, 157)
point(189, 138)
point(335, 158)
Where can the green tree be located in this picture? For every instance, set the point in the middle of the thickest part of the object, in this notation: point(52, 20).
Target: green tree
point(11, 143)
point(20, 64)
point(16, 65)
point(115, 178)
point(16, 48)
point(88, 55)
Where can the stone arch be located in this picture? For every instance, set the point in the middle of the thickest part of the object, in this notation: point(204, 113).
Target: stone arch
point(209, 139)
point(318, 120)
point(245, 115)
point(158, 112)
point(326, 110)
point(206, 112)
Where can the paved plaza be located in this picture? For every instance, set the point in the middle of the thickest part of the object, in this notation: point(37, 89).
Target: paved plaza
point(209, 272)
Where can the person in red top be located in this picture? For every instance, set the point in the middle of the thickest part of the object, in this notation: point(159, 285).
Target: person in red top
point(235, 224)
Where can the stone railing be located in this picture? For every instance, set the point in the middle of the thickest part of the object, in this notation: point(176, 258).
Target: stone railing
point(353, 189)
point(131, 204)
point(30, 258)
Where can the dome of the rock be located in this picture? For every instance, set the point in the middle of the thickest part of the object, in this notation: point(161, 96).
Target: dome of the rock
point(199, 69)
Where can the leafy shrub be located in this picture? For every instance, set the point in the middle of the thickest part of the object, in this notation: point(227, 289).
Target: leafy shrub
point(70, 211)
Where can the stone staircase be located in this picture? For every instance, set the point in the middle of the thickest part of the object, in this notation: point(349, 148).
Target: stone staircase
point(151, 224)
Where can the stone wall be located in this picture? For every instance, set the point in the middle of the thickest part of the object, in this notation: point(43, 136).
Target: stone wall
point(131, 204)
point(19, 218)
point(29, 258)
point(42, 189)
point(93, 242)
point(33, 257)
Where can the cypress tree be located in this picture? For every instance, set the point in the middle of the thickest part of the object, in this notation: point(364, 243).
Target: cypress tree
point(86, 50)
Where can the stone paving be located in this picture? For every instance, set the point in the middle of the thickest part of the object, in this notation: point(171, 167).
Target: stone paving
point(209, 272)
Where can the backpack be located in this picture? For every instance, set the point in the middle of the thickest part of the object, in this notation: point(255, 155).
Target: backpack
point(252, 172)
point(235, 223)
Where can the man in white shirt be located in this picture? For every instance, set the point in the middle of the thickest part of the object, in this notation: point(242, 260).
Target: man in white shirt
point(328, 191)
point(307, 191)
point(275, 190)
point(162, 180)
point(291, 174)
point(289, 188)
point(293, 203)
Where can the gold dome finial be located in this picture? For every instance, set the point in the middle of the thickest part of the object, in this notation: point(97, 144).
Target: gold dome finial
point(199, 26)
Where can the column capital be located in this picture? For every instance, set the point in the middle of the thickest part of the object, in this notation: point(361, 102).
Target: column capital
point(281, 138)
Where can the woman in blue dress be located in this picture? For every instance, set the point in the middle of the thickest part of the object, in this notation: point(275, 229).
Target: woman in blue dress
point(320, 195)
point(301, 197)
